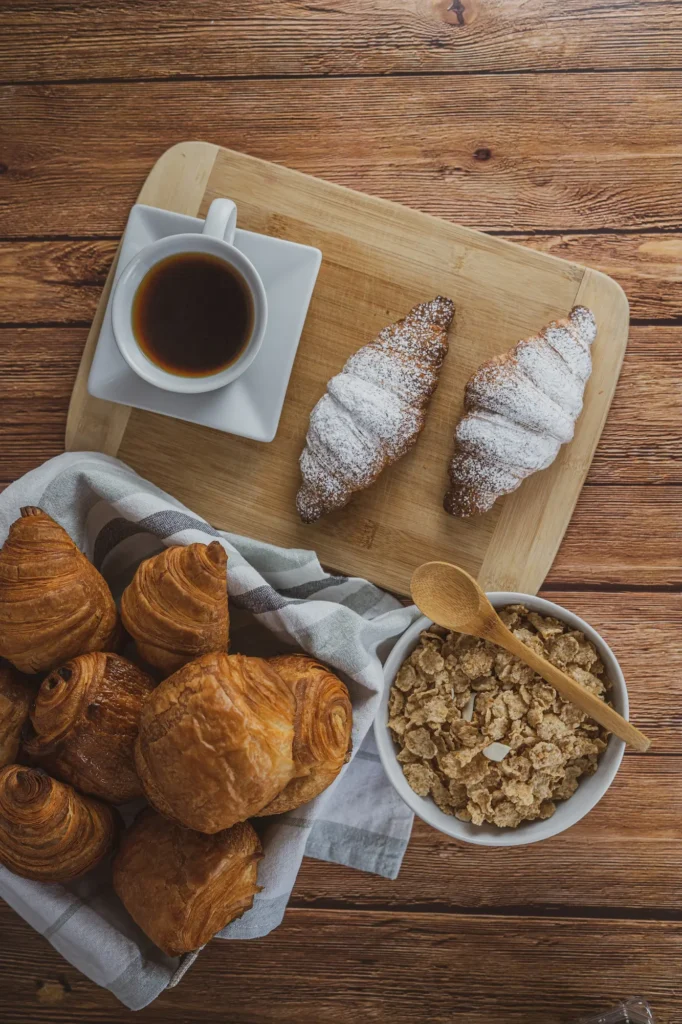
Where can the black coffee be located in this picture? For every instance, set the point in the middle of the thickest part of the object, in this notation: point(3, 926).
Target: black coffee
point(193, 314)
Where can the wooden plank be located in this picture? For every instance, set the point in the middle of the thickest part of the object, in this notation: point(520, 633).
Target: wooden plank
point(623, 536)
point(250, 37)
point(623, 855)
point(647, 266)
point(37, 369)
point(60, 281)
point(387, 966)
point(520, 152)
point(640, 442)
point(53, 282)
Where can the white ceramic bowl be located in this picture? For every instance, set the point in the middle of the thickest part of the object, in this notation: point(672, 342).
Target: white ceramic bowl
point(590, 790)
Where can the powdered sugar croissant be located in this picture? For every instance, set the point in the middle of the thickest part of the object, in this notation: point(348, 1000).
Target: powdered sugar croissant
point(374, 410)
point(520, 408)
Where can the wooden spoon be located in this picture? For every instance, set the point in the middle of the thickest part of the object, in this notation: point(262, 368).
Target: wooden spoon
point(450, 597)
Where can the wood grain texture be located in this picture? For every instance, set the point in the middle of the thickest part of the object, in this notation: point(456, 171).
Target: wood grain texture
point(322, 965)
point(520, 152)
point(53, 282)
point(329, 37)
point(631, 831)
point(647, 266)
point(624, 536)
point(60, 281)
point(640, 442)
point(379, 260)
point(571, 163)
point(38, 369)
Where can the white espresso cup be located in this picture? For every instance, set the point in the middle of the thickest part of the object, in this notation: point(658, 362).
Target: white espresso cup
point(217, 240)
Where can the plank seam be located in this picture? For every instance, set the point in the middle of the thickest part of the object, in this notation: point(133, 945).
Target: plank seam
point(569, 232)
point(544, 911)
point(378, 76)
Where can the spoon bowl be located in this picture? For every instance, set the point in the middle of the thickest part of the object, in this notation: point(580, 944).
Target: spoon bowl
point(451, 597)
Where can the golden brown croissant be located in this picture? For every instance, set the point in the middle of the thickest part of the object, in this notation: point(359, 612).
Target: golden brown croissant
point(322, 728)
point(48, 831)
point(16, 695)
point(84, 725)
point(53, 602)
point(215, 741)
point(175, 609)
point(181, 887)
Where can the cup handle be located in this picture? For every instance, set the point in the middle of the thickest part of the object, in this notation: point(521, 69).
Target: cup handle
point(221, 220)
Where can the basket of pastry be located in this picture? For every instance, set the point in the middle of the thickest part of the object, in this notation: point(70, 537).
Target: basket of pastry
point(100, 708)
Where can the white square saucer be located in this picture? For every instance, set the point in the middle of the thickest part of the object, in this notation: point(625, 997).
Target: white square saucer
point(251, 405)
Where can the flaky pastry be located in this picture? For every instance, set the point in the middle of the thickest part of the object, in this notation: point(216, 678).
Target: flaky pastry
point(175, 609)
point(180, 886)
point(84, 725)
point(53, 602)
point(215, 741)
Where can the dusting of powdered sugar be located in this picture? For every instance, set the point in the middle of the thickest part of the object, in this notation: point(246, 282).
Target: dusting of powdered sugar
point(373, 410)
point(520, 408)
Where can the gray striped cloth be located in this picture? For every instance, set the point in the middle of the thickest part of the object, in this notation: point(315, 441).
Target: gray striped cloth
point(280, 597)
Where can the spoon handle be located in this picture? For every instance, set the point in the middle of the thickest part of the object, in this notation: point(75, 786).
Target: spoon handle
point(572, 690)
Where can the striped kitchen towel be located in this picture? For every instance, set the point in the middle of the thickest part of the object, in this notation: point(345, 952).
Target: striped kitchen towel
point(280, 597)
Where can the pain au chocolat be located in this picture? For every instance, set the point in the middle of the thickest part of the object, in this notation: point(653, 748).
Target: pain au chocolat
point(322, 729)
point(180, 886)
point(84, 724)
point(215, 741)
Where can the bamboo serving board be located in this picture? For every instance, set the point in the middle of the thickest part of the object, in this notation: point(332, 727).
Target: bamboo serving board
point(378, 260)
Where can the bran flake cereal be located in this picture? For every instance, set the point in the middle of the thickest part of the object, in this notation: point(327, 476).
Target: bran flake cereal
point(457, 696)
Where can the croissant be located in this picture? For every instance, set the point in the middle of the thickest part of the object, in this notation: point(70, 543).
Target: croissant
point(322, 728)
point(175, 609)
point(53, 602)
point(16, 695)
point(215, 741)
point(48, 831)
point(520, 408)
point(374, 410)
point(84, 725)
point(181, 887)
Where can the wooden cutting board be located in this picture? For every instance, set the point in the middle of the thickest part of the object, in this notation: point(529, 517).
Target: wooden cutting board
point(378, 260)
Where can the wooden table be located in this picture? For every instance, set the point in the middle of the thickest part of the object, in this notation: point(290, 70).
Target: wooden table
point(556, 122)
